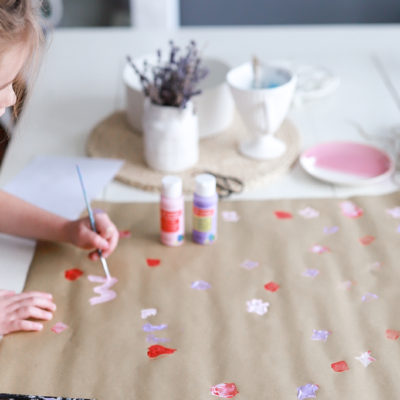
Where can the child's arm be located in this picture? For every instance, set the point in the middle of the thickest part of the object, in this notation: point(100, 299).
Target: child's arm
point(18, 217)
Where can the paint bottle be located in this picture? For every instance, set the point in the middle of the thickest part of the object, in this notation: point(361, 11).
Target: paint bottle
point(172, 211)
point(205, 205)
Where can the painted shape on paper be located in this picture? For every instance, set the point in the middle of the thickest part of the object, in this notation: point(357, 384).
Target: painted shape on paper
point(104, 292)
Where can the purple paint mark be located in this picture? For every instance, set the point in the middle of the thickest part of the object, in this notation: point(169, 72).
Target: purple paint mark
point(330, 230)
point(320, 335)
point(104, 292)
point(248, 264)
point(394, 212)
point(151, 328)
point(308, 391)
point(311, 273)
point(200, 285)
point(154, 339)
point(398, 229)
point(368, 297)
point(346, 285)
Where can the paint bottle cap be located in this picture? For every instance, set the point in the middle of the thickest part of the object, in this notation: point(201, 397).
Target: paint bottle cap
point(171, 186)
point(205, 185)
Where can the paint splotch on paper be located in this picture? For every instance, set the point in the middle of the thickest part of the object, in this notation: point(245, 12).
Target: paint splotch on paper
point(283, 214)
point(339, 366)
point(153, 262)
point(73, 274)
point(365, 358)
point(319, 249)
point(330, 230)
point(320, 335)
point(367, 297)
point(148, 312)
point(157, 350)
point(124, 234)
point(307, 391)
point(257, 306)
point(151, 328)
point(394, 212)
point(224, 390)
point(150, 338)
point(346, 285)
point(366, 240)
point(271, 286)
point(311, 272)
point(350, 210)
point(103, 291)
point(200, 285)
point(59, 327)
point(249, 265)
point(309, 213)
point(230, 216)
point(392, 334)
point(375, 265)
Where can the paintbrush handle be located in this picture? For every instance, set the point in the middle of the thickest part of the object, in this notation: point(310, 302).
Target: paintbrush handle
point(92, 222)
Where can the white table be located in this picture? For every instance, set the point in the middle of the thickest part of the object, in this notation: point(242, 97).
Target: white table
point(80, 83)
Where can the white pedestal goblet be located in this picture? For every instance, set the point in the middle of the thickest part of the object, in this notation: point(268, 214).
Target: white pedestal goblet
point(262, 107)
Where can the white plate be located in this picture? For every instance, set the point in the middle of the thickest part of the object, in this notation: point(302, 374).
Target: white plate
point(347, 163)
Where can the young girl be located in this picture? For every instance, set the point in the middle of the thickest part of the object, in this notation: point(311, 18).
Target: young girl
point(20, 39)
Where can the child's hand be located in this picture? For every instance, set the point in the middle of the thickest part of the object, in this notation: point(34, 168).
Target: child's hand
point(17, 309)
point(81, 235)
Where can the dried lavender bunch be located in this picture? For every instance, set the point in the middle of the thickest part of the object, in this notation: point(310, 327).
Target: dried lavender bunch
point(172, 82)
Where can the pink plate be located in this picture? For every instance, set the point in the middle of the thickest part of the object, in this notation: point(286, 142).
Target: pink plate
point(347, 163)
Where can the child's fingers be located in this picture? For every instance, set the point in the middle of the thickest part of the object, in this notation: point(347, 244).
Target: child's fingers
point(93, 255)
point(23, 325)
point(31, 312)
point(113, 241)
point(28, 295)
point(105, 227)
point(96, 241)
point(40, 302)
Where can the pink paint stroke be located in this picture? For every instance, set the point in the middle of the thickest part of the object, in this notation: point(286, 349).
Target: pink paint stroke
point(104, 292)
point(318, 249)
point(59, 327)
point(350, 210)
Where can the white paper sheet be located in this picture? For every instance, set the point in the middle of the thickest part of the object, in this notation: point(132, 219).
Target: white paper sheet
point(52, 183)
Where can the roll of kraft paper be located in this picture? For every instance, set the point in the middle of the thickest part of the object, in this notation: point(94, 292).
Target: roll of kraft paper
point(5, 396)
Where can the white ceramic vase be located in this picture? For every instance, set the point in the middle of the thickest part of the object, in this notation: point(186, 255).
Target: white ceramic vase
point(170, 137)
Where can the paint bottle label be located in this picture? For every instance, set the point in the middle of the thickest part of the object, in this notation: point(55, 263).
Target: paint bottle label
point(170, 220)
point(172, 211)
point(205, 204)
point(202, 219)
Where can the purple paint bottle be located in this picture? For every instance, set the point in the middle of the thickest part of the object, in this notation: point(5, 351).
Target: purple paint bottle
point(205, 204)
point(172, 211)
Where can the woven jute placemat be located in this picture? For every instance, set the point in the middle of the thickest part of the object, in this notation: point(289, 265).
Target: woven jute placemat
point(113, 138)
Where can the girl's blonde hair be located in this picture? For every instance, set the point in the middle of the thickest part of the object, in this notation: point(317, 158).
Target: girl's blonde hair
point(19, 24)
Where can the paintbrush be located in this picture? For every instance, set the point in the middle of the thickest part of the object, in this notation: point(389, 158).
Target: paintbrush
point(92, 223)
point(256, 66)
